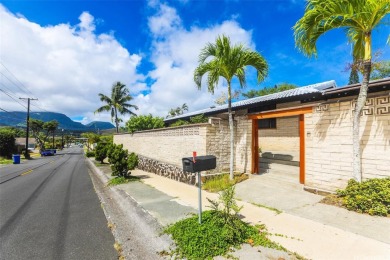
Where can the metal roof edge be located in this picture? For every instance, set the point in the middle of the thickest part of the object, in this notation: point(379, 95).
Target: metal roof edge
point(313, 88)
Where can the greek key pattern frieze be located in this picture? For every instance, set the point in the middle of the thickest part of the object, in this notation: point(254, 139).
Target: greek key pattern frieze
point(375, 106)
point(185, 131)
point(322, 108)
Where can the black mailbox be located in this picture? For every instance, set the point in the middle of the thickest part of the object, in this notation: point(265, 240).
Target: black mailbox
point(202, 163)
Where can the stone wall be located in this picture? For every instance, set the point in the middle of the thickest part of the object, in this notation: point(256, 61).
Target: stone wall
point(166, 170)
point(328, 132)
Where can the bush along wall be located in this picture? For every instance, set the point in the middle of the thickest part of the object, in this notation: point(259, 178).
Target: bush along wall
point(7, 143)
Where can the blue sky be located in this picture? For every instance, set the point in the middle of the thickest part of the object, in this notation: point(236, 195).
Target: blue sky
point(66, 52)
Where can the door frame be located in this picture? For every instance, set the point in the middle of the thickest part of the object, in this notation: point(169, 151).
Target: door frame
point(287, 112)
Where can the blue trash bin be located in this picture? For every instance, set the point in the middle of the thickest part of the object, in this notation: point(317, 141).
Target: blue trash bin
point(16, 158)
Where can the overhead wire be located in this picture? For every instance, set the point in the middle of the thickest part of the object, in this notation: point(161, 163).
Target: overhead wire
point(21, 84)
point(5, 92)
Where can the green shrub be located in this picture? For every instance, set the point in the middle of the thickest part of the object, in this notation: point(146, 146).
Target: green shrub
point(7, 143)
point(132, 161)
point(371, 196)
point(90, 154)
point(220, 230)
point(118, 158)
point(101, 151)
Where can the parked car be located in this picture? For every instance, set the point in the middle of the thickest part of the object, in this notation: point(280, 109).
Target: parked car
point(48, 152)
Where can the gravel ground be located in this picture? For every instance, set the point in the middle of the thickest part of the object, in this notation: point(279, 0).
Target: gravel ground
point(134, 229)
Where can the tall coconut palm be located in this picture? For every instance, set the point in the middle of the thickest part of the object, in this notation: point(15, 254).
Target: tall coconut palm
point(222, 59)
point(117, 103)
point(358, 18)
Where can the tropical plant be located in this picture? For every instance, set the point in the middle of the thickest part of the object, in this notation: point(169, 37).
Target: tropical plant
point(144, 122)
point(222, 59)
point(177, 111)
point(117, 103)
point(269, 90)
point(358, 18)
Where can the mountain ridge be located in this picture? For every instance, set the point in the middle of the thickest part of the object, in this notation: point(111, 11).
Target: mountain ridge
point(18, 119)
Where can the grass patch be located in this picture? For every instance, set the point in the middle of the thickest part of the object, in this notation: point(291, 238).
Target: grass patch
point(222, 182)
point(5, 161)
point(221, 230)
point(267, 207)
point(122, 180)
point(371, 197)
point(215, 236)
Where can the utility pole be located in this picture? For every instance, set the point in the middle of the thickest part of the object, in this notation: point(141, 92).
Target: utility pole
point(26, 155)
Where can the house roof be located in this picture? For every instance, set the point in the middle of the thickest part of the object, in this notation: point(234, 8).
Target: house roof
point(287, 95)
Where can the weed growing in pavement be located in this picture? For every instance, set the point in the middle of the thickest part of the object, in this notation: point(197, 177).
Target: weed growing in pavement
point(122, 180)
point(222, 181)
point(267, 207)
point(221, 229)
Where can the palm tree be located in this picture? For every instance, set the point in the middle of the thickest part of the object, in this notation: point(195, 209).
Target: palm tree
point(358, 18)
point(221, 59)
point(117, 103)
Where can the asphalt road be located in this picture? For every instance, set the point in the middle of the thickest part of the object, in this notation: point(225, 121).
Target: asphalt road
point(49, 210)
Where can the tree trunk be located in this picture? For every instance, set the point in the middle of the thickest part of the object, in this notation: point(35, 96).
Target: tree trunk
point(116, 121)
point(357, 164)
point(231, 129)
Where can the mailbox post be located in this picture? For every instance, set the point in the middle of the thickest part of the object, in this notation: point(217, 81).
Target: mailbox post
point(196, 164)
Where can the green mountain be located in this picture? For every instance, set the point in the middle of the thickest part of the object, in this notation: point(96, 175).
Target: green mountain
point(18, 119)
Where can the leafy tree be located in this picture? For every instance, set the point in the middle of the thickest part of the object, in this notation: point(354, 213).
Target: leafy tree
point(193, 120)
point(198, 119)
point(41, 130)
point(359, 18)
point(144, 122)
point(381, 70)
point(177, 111)
point(117, 103)
point(92, 138)
point(18, 132)
point(7, 142)
point(222, 59)
point(269, 90)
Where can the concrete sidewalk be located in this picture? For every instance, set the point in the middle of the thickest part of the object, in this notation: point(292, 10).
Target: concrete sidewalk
point(168, 201)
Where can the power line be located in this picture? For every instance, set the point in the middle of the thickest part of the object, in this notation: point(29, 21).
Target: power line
point(12, 97)
point(21, 84)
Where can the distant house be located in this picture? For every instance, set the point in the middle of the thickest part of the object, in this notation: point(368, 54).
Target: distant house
point(20, 143)
point(308, 128)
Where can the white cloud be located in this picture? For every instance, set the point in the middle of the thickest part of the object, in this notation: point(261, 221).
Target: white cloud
point(175, 51)
point(64, 65)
